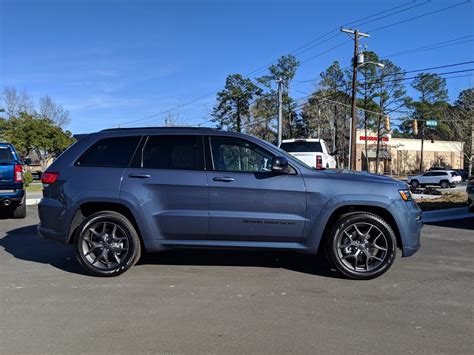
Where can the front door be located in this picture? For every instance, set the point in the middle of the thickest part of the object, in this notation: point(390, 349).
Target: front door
point(247, 201)
point(168, 182)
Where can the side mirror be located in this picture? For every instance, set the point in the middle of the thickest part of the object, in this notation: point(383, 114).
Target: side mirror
point(280, 165)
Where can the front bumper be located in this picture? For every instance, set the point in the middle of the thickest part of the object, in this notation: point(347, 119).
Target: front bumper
point(470, 198)
point(409, 220)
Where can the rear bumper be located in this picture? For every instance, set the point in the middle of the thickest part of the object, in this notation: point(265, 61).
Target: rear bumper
point(52, 224)
point(50, 234)
point(16, 197)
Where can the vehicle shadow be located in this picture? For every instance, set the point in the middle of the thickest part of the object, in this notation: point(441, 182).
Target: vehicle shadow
point(466, 223)
point(23, 243)
point(5, 214)
point(303, 263)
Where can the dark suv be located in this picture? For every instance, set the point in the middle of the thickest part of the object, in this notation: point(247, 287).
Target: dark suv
point(118, 191)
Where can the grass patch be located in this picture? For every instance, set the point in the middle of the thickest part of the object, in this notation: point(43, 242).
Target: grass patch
point(34, 188)
point(454, 200)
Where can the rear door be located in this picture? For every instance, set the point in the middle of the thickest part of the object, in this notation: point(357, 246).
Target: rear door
point(247, 201)
point(426, 178)
point(168, 182)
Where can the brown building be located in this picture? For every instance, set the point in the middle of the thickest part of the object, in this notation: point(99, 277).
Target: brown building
point(399, 156)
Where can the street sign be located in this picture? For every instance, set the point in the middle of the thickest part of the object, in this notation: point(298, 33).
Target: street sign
point(432, 123)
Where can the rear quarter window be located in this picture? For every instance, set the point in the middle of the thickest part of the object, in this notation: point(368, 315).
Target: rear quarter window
point(302, 147)
point(6, 153)
point(110, 152)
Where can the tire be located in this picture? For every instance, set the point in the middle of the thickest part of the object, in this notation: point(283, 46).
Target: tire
point(20, 210)
point(107, 244)
point(414, 183)
point(444, 184)
point(355, 249)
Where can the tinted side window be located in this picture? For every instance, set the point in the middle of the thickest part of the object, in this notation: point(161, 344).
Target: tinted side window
point(173, 152)
point(428, 174)
point(233, 154)
point(110, 152)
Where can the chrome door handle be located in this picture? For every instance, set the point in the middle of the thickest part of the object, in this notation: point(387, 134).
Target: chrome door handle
point(140, 176)
point(223, 179)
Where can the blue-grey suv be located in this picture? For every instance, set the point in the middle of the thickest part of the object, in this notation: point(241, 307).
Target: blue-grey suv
point(119, 191)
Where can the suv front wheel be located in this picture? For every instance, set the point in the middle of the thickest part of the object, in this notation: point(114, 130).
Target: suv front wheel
point(107, 244)
point(361, 246)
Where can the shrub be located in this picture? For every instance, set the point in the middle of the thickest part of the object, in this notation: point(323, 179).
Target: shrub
point(27, 178)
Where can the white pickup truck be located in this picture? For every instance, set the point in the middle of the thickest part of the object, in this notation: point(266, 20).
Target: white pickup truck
point(312, 152)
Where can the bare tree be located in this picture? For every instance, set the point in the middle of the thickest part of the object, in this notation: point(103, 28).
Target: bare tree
point(173, 114)
point(53, 111)
point(14, 102)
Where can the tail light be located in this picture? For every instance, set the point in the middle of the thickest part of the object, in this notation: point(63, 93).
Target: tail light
point(49, 178)
point(319, 162)
point(18, 173)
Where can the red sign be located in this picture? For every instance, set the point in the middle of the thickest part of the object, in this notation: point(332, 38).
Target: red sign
point(363, 138)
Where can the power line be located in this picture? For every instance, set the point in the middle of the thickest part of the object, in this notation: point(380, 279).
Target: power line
point(414, 77)
point(406, 72)
point(431, 46)
point(420, 16)
point(315, 42)
point(294, 51)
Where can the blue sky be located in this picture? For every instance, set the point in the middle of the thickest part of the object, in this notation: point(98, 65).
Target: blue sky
point(110, 62)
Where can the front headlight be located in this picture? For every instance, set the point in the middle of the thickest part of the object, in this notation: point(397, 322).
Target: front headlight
point(405, 194)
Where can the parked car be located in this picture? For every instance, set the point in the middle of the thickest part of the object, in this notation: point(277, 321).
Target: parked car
point(12, 192)
point(312, 152)
point(462, 172)
point(443, 178)
point(470, 193)
point(117, 191)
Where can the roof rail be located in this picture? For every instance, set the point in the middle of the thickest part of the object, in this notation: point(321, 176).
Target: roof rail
point(158, 128)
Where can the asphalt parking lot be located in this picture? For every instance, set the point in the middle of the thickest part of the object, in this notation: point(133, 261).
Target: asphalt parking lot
point(235, 302)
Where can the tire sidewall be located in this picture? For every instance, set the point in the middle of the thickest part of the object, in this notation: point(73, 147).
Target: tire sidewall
point(133, 240)
point(341, 225)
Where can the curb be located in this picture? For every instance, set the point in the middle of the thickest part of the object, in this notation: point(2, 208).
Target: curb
point(446, 215)
point(32, 201)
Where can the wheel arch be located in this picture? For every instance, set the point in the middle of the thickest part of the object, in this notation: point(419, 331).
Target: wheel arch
point(377, 210)
point(88, 208)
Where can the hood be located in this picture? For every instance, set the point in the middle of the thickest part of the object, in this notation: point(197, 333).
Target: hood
point(359, 176)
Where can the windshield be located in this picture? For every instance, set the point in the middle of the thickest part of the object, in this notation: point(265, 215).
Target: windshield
point(302, 147)
point(6, 153)
point(453, 173)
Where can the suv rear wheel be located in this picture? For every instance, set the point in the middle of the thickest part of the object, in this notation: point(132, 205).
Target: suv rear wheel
point(444, 184)
point(107, 244)
point(361, 246)
point(20, 210)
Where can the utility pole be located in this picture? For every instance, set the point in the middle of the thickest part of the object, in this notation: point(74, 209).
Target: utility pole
point(422, 144)
point(319, 122)
point(352, 137)
point(471, 161)
point(280, 110)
